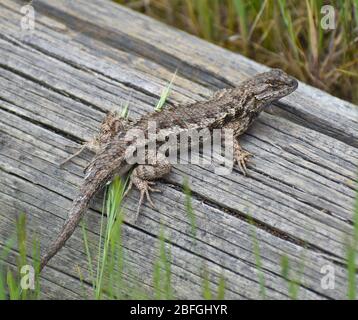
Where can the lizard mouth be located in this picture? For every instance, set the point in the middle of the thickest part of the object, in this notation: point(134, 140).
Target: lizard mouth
point(286, 87)
point(278, 91)
point(274, 84)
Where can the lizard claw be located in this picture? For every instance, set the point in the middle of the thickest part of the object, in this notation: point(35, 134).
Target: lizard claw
point(80, 150)
point(242, 158)
point(144, 187)
point(152, 183)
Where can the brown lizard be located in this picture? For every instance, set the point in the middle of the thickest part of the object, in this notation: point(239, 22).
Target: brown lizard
point(234, 108)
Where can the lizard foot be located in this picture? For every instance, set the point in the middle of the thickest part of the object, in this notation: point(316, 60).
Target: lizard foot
point(241, 158)
point(144, 187)
point(90, 145)
point(144, 175)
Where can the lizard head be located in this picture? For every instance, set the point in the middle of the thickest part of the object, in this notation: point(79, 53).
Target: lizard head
point(273, 85)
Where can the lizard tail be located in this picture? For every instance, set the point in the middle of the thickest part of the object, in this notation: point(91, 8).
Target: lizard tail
point(101, 170)
point(79, 207)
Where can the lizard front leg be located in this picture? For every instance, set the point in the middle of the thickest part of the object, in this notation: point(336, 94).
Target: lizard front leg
point(143, 176)
point(91, 145)
point(241, 157)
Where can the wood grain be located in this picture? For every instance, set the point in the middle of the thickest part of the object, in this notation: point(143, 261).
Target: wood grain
point(85, 58)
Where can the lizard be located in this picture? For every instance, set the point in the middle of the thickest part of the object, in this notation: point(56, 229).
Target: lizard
point(235, 108)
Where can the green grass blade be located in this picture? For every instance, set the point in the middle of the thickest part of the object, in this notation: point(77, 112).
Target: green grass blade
point(165, 93)
point(258, 262)
point(88, 254)
point(206, 285)
point(242, 14)
point(2, 287)
point(351, 268)
point(21, 245)
point(189, 208)
point(352, 253)
point(14, 289)
point(113, 203)
point(292, 284)
point(221, 288)
point(9, 244)
point(289, 24)
point(162, 283)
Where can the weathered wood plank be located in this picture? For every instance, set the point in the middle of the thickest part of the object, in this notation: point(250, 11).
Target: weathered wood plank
point(56, 86)
point(308, 183)
point(181, 231)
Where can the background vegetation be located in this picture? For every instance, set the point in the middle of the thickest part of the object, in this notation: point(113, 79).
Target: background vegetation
point(278, 33)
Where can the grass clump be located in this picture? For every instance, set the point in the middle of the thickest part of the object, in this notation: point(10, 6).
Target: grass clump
point(283, 34)
point(110, 254)
point(20, 282)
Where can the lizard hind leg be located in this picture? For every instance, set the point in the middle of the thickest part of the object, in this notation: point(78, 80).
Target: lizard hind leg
point(111, 125)
point(142, 178)
point(241, 157)
point(92, 145)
